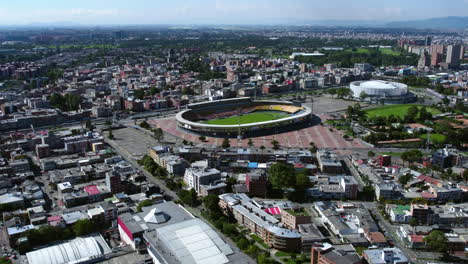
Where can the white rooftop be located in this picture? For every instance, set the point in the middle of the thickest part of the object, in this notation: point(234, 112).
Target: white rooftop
point(193, 241)
point(75, 251)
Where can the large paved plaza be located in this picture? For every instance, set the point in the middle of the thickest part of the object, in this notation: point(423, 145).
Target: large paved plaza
point(320, 135)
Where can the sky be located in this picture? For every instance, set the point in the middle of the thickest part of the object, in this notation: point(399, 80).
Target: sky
point(105, 12)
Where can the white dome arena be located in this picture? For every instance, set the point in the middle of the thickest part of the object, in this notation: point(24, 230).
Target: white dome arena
point(378, 88)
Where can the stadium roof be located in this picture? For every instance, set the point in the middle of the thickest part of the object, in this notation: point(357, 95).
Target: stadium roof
point(75, 251)
point(378, 84)
point(193, 241)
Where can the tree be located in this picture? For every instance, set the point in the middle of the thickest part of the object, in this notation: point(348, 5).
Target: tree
point(411, 156)
point(419, 200)
point(437, 242)
point(154, 90)
point(405, 178)
point(210, 202)
point(371, 154)
point(202, 138)
point(89, 125)
point(363, 95)
point(111, 135)
point(225, 143)
point(413, 222)
point(158, 134)
point(5, 260)
point(302, 180)
point(243, 243)
point(145, 125)
point(250, 143)
point(350, 111)
point(282, 175)
point(275, 144)
point(142, 204)
point(83, 227)
point(188, 197)
point(411, 114)
point(67, 102)
point(313, 147)
point(332, 91)
point(424, 114)
point(139, 94)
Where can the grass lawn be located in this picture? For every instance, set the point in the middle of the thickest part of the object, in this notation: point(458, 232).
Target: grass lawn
point(359, 250)
point(383, 51)
point(259, 240)
point(389, 52)
point(436, 138)
point(283, 254)
point(396, 110)
point(395, 154)
point(248, 118)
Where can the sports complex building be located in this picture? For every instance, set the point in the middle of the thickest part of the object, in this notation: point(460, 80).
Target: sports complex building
point(378, 91)
point(244, 117)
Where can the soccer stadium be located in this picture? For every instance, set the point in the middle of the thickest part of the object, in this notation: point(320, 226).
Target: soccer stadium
point(383, 91)
point(244, 117)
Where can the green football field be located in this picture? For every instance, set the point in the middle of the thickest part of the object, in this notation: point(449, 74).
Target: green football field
point(258, 116)
point(396, 110)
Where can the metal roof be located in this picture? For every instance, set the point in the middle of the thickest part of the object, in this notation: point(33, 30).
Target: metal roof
point(75, 251)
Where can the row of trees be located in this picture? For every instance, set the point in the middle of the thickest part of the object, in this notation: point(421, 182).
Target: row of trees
point(67, 102)
point(416, 81)
point(340, 92)
point(349, 58)
point(47, 234)
point(283, 176)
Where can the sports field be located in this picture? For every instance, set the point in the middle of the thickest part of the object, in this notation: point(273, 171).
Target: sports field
point(258, 116)
point(396, 110)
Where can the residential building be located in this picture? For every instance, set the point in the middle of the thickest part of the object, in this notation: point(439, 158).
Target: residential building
point(114, 182)
point(387, 191)
point(334, 254)
point(384, 160)
point(293, 217)
point(194, 177)
point(259, 222)
point(453, 56)
point(437, 53)
point(328, 162)
point(256, 183)
point(385, 256)
point(420, 212)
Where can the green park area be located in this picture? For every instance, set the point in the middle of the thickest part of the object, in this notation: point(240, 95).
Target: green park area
point(436, 138)
point(399, 110)
point(385, 51)
point(247, 118)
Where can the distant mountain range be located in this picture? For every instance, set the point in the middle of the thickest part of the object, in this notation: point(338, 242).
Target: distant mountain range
point(440, 23)
point(451, 22)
